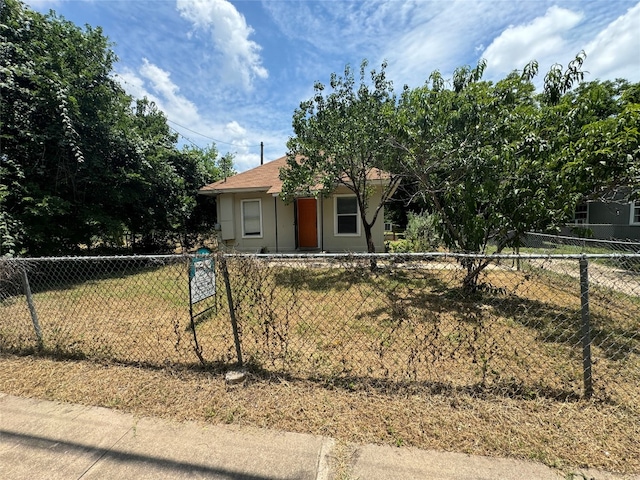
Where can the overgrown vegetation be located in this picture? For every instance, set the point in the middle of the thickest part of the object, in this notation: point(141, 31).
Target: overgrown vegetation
point(492, 160)
point(342, 322)
point(421, 234)
point(82, 164)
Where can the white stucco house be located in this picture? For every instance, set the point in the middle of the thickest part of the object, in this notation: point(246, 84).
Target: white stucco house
point(254, 218)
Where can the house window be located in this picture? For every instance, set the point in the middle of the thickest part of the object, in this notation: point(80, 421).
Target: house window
point(252, 218)
point(347, 215)
point(635, 213)
point(581, 214)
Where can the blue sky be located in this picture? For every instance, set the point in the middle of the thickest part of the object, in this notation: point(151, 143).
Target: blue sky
point(234, 72)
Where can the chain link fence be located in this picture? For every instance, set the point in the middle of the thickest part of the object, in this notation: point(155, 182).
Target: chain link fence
point(564, 327)
point(127, 309)
point(545, 243)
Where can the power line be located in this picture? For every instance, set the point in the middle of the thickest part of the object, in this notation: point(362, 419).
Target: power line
point(186, 138)
point(211, 138)
point(121, 79)
point(192, 142)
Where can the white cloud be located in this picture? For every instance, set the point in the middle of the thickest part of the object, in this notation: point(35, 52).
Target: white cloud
point(230, 35)
point(42, 4)
point(544, 39)
point(615, 52)
point(132, 83)
point(439, 37)
point(166, 95)
point(156, 84)
point(338, 26)
point(235, 130)
point(152, 82)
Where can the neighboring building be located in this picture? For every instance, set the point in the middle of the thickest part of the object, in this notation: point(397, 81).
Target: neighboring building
point(608, 220)
point(253, 217)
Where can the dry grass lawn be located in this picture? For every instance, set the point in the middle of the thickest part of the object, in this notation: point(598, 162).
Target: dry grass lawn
point(396, 357)
point(563, 434)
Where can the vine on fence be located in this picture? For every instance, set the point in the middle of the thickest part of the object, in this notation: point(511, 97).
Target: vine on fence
point(331, 317)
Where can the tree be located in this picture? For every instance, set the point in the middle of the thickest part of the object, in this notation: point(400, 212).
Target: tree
point(476, 153)
point(494, 161)
point(225, 166)
point(199, 166)
point(159, 202)
point(59, 106)
point(598, 127)
point(342, 137)
point(81, 163)
point(11, 229)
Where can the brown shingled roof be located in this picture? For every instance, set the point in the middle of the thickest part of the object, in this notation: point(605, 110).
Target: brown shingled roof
point(265, 178)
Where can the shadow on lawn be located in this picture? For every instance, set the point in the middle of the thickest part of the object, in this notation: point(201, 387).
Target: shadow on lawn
point(256, 373)
point(505, 389)
point(426, 294)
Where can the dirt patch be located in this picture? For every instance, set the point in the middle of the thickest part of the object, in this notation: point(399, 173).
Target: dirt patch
point(618, 279)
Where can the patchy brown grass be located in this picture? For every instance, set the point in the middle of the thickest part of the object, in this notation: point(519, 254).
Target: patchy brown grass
point(565, 435)
point(394, 357)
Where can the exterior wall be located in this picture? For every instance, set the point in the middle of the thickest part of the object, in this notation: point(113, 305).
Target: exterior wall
point(224, 205)
point(609, 213)
point(606, 231)
point(332, 243)
point(607, 221)
point(286, 228)
point(266, 243)
point(231, 233)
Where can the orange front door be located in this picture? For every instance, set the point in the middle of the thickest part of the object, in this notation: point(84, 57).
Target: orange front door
point(307, 223)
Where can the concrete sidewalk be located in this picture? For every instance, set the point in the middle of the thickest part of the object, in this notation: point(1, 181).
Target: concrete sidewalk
point(50, 440)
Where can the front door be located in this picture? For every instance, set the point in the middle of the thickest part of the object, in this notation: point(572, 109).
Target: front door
point(307, 223)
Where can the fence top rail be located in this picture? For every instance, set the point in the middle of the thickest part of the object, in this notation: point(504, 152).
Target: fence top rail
point(303, 256)
point(582, 239)
point(79, 258)
point(435, 255)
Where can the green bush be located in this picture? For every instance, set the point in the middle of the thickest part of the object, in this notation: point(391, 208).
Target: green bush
point(399, 246)
point(582, 232)
point(421, 235)
point(422, 232)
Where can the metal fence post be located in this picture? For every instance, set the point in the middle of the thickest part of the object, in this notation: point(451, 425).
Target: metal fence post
point(232, 311)
point(586, 327)
point(32, 308)
point(197, 347)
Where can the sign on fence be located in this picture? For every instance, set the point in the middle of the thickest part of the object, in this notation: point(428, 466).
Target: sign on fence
point(202, 276)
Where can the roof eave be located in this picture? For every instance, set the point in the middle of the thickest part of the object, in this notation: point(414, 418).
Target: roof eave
point(218, 191)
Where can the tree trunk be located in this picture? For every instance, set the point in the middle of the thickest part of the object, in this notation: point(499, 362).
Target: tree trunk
point(370, 246)
point(470, 282)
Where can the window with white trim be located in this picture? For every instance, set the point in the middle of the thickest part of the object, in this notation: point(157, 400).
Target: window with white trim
point(581, 213)
point(347, 215)
point(252, 218)
point(635, 213)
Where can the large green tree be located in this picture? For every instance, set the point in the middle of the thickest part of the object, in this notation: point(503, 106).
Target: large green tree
point(474, 152)
point(198, 167)
point(597, 131)
point(81, 162)
point(495, 160)
point(59, 109)
point(341, 138)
